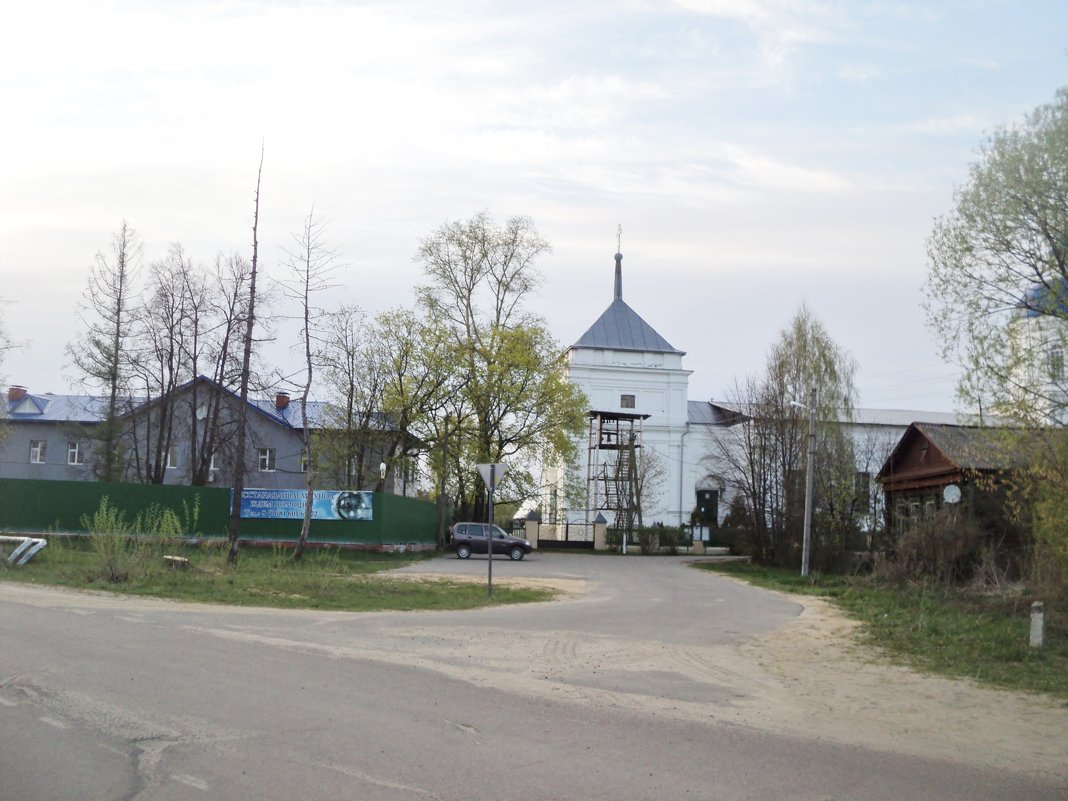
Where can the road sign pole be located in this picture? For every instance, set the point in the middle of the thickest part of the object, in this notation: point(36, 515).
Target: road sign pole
point(489, 539)
point(490, 473)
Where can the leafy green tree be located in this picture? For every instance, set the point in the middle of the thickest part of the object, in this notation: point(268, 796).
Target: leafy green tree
point(418, 383)
point(997, 288)
point(512, 402)
point(997, 297)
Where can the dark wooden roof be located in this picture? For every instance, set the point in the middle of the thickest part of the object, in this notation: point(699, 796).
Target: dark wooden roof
point(927, 449)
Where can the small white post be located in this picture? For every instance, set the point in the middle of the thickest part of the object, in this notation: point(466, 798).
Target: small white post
point(1038, 623)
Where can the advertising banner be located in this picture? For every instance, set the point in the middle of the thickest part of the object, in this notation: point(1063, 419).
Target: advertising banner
point(288, 504)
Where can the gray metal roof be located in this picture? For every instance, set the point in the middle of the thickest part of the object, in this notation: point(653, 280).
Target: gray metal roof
point(290, 415)
point(728, 413)
point(622, 328)
point(705, 413)
point(321, 414)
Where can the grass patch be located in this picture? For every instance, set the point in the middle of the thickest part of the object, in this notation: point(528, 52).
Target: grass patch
point(950, 631)
point(323, 579)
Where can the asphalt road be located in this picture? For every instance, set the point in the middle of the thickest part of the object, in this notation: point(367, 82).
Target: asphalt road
point(106, 697)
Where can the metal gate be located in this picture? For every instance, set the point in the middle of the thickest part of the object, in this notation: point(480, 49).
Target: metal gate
point(565, 536)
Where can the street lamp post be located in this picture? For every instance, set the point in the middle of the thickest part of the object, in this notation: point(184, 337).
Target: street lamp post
point(806, 544)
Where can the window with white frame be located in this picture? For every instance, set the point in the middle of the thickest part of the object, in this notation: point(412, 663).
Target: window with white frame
point(75, 453)
point(172, 458)
point(626, 401)
point(1056, 363)
point(266, 460)
point(304, 460)
point(38, 447)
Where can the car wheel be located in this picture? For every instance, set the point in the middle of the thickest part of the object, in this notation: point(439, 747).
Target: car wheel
point(516, 553)
point(463, 551)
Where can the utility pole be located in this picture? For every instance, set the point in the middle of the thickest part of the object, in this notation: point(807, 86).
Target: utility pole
point(806, 544)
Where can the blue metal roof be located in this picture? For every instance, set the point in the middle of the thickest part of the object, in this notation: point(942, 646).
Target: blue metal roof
point(93, 409)
point(1045, 299)
point(56, 408)
point(319, 415)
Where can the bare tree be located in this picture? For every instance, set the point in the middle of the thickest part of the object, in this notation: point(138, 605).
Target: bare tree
point(310, 264)
point(6, 343)
point(218, 305)
point(158, 366)
point(246, 369)
point(101, 355)
point(354, 384)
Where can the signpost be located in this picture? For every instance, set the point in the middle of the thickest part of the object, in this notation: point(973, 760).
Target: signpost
point(491, 474)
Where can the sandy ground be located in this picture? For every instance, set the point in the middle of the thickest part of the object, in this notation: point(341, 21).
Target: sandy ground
point(811, 679)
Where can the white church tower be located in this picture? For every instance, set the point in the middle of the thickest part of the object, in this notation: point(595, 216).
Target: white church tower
point(631, 373)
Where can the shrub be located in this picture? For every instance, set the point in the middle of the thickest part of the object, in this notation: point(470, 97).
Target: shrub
point(943, 551)
point(649, 539)
point(1049, 563)
point(109, 535)
point(122, 547)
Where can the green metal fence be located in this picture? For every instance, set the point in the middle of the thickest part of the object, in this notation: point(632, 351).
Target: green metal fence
point(28, 506)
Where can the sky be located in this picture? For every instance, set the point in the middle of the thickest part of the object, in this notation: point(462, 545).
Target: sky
point(758, 154)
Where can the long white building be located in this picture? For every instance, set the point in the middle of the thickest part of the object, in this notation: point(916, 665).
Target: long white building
point(635, 380)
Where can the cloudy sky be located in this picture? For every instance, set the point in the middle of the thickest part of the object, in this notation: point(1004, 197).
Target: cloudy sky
point(757, 153)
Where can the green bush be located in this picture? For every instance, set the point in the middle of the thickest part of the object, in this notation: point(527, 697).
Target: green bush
point(109, 535)
point(122, 548)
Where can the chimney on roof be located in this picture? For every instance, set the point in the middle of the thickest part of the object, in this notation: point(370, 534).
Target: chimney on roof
point(16, 392)
point(619, 277)
point(281, 400)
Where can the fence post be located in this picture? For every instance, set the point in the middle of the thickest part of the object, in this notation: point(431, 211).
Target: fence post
point(1038, 623)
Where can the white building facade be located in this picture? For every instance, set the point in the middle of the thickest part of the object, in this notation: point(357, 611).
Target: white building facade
point(627, 369)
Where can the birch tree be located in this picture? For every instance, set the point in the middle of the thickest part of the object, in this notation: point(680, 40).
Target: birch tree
point(764, 452)
point(311, 263)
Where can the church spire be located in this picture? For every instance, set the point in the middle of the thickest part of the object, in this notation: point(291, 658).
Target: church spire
point(619, 277)
point(618, 295)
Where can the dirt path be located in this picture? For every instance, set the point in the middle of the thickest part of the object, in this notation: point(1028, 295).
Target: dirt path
point(810, 679)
